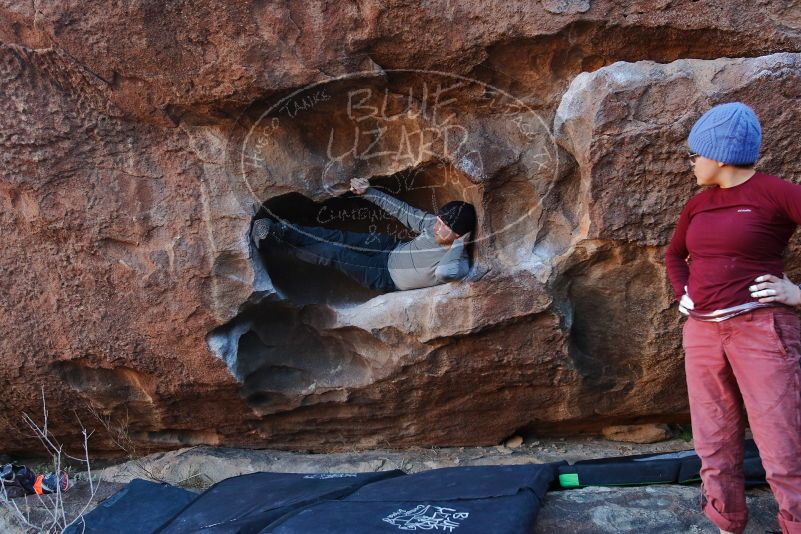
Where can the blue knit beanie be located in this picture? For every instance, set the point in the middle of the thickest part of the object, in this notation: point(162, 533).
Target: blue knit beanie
point(729, 133)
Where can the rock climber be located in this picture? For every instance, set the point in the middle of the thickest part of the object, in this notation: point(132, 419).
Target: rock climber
point(742, 339)
point(377, 260)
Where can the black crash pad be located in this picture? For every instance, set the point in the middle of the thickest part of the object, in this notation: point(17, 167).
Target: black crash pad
point(246, 504)
point(679, 467)
point(467, 500)
point(138, 508)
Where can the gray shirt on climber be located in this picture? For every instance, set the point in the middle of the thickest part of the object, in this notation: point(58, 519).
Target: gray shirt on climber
point(421, 262)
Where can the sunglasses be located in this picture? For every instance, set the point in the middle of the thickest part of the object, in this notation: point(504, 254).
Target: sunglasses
point(692, 156)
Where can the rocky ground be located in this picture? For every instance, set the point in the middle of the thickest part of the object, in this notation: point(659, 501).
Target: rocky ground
point(648, 509)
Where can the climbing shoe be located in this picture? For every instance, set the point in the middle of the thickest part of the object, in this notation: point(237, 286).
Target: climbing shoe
point(261, 230)
point(50, 482)
point(267, 228)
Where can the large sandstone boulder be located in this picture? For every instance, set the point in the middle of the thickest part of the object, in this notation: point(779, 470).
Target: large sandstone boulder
point(138, 142)
point(627, 125)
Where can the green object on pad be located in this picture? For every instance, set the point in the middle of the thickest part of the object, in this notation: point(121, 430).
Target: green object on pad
point(569, 480)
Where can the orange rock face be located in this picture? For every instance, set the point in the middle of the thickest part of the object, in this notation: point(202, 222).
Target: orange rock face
point(139, 140)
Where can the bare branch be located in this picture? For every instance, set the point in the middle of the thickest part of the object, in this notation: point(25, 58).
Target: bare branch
point(52, 504)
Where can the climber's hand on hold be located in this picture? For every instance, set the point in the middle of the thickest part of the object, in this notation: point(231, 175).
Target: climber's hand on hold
point(686, 304)
point(359, 185)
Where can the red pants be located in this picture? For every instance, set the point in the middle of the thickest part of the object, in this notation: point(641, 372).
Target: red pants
point(751, 360)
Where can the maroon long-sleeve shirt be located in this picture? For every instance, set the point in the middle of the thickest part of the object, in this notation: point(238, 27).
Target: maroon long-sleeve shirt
point(726, 237)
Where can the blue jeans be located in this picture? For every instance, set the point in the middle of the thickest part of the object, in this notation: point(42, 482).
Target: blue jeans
point(362, 257)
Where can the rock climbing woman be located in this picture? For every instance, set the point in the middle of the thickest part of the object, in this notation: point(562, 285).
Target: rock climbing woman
point(380, 261)
point(742, 337)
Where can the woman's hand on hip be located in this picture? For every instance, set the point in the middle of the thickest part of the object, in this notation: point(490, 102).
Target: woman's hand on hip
point(770, 288)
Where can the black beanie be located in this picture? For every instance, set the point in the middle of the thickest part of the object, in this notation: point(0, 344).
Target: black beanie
point(459, 216)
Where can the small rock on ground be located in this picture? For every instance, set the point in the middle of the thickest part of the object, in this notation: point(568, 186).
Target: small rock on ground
point(637, 433)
